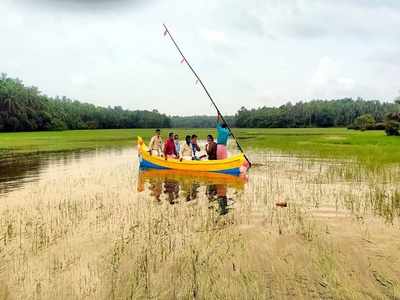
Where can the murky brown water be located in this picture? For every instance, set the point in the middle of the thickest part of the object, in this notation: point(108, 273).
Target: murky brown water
point(89, 224)
point(16, 172)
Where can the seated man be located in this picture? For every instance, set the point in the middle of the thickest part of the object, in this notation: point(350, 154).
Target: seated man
point(169, 147)
point(195, 147)
point(177, 145)
point(186, 152)
point(211, 148)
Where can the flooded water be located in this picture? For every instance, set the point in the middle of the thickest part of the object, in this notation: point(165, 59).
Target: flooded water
point(326, 187)
point(172, 186)
point(90, 224)
point(15, 172)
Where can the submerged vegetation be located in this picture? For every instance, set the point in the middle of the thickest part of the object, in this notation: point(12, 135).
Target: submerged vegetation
point(86, 232)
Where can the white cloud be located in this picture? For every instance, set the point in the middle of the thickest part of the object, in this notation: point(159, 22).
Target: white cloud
point(214, 36)
point(326, 71)
point(330, 81)
point(256, 52)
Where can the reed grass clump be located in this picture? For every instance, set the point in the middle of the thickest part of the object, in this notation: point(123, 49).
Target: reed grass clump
point(86, 232)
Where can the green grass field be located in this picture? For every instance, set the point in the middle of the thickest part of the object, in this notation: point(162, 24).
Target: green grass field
point(370, 147)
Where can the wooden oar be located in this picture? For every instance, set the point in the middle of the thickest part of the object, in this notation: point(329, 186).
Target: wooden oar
point(205, 89)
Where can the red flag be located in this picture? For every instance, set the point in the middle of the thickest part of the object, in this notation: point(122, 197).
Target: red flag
point(165, 32)
point(183, 60)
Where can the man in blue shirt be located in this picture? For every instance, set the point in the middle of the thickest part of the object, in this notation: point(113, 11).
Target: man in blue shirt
point(177, 145)
point(195, 147)
point(222, 138)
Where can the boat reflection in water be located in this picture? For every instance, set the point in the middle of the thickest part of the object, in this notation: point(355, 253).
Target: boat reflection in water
point(177, 186)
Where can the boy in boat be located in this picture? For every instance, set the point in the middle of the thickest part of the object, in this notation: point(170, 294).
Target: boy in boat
point(195, 147)
point(169, 147)
point(222, 138)
point(155, 146)
point(177, 145)
point(211, 148)
point(186, 153)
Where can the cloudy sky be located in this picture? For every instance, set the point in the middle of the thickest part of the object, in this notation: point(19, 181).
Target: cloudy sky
point(249, 53)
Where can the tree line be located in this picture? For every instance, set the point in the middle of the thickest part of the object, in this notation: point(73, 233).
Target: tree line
point(25, 108)
point(316, 113)
point(199, 121)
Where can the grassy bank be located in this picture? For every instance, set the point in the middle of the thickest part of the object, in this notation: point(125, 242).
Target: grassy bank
point(371, 147)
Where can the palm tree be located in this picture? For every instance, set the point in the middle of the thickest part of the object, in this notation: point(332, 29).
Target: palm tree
point(11, 102)
point(397, 99)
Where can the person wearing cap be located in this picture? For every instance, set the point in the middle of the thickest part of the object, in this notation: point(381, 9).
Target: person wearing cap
point(155, 146)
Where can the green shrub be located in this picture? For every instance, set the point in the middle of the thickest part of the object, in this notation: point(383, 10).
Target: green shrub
point(363, 122)
point(392, 123)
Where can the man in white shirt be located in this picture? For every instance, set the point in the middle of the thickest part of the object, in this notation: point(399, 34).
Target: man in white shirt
point(155, 146)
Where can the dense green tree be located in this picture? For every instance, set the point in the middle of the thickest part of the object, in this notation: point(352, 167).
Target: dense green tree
point(392, 123)
point(198, 121)
point(364, 122)
point(25, 108)
point(316, 113)
point(397, 100)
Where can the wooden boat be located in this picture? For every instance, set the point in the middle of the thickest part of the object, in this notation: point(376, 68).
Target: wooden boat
point(230, 165)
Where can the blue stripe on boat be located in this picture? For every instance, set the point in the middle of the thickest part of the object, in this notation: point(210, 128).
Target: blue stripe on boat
point(144, 164)
point(234, 171)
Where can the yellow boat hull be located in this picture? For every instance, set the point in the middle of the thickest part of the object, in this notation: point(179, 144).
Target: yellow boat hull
point(230, 165)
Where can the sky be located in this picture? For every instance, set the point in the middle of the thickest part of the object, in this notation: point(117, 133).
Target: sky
point(248, 53)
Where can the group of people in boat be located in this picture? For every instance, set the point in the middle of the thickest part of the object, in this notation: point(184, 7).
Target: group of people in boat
point(190, 149)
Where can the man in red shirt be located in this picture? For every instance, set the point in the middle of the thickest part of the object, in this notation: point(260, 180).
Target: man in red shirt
point(169, 147)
